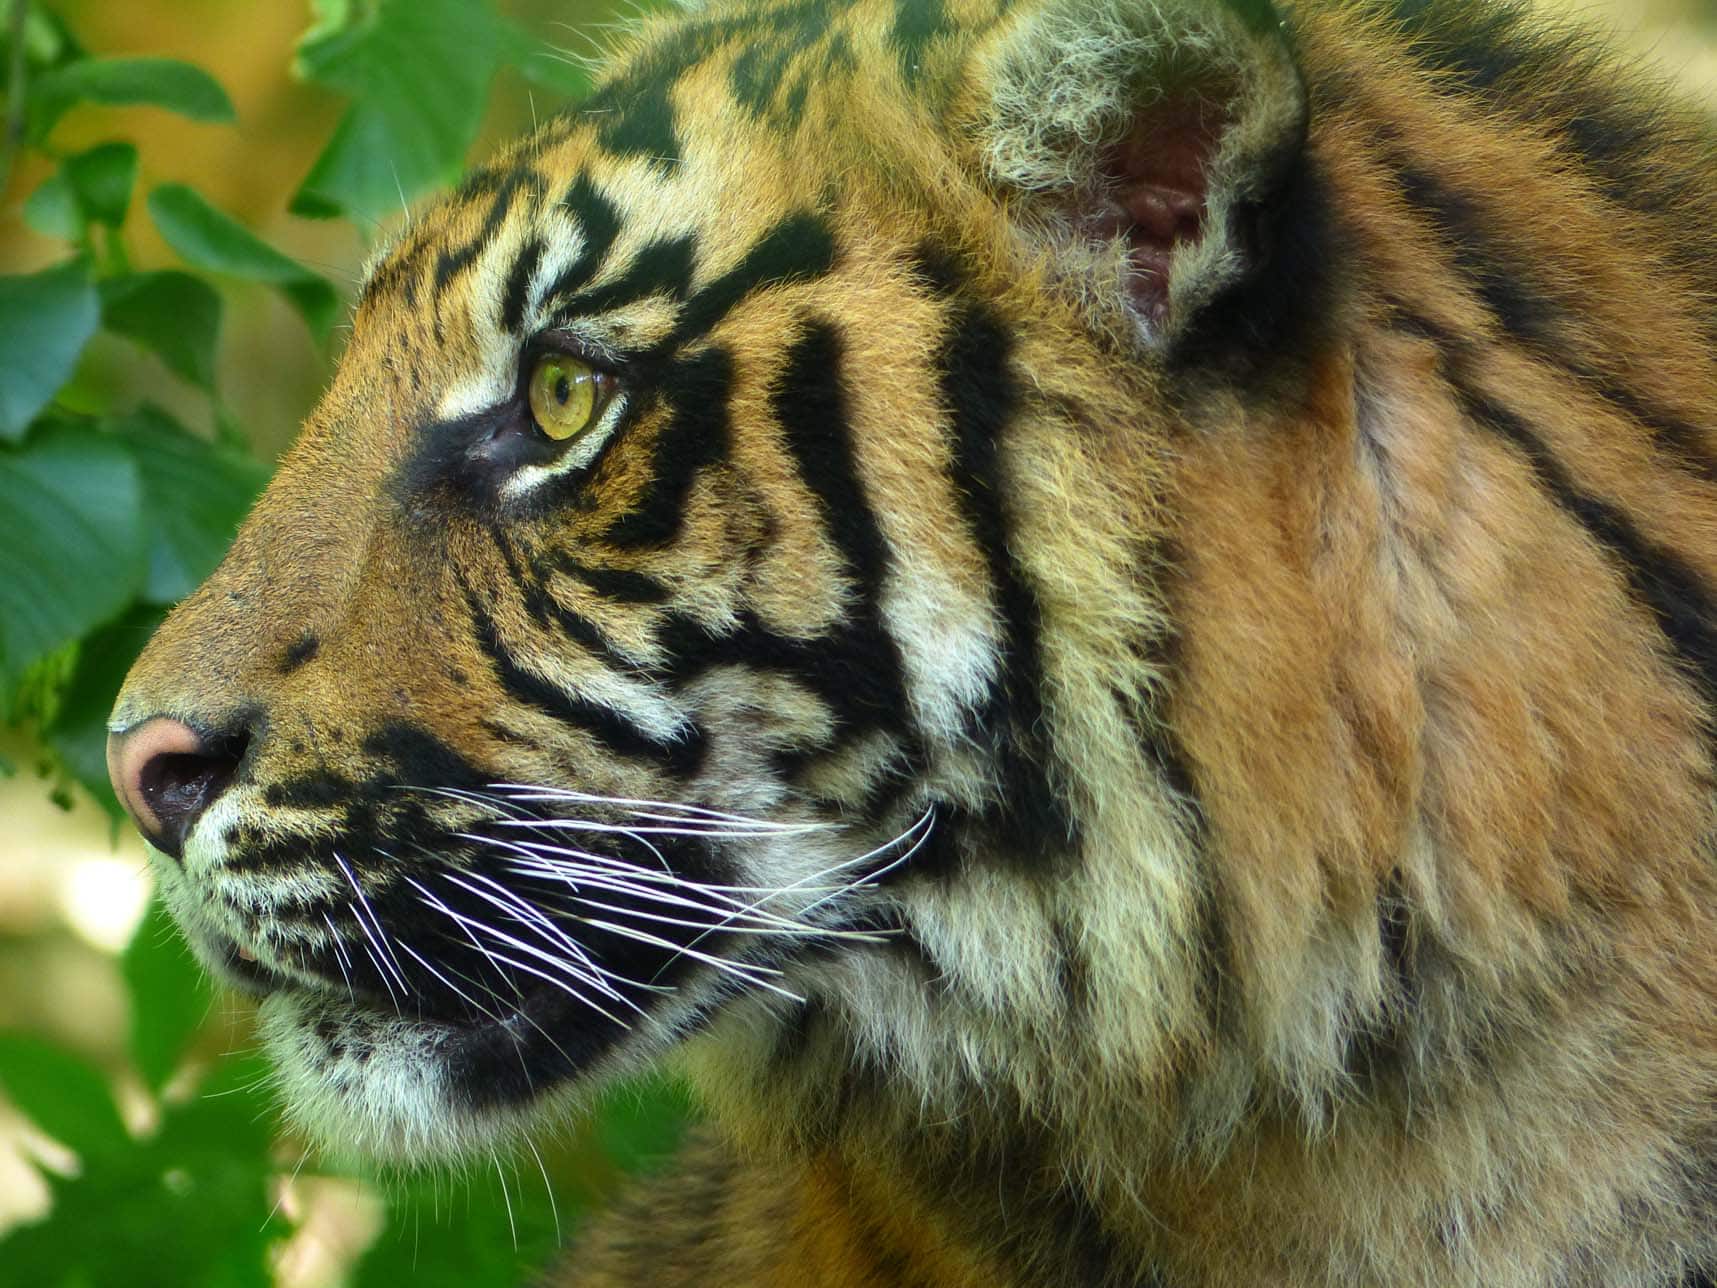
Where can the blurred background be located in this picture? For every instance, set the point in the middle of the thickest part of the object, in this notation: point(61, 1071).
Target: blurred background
point(188, 191)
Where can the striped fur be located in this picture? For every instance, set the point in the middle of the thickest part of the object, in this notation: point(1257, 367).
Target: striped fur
point(1126, 686)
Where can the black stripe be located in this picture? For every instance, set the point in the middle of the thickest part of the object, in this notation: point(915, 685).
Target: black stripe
point(810, 403)
point(1072, 975)
point(621, 585)
point(1378, 1050)
point(800, 248)
point(759, 73)
point(1678, 598)
point(841, 668)
point(468, 461)
point(301, 651)
point(934, 269)
point(546, 610)
point(634, 114)
point(694, 436)
point(450, 263)
point(1525, 307)
point(1675, 594)
point(1262, 330)
point(917, 24)
point(679, 756)
point(514, 296)
point(1508, 58)
point(977, 388)
point(598, 225)
point(662, 267)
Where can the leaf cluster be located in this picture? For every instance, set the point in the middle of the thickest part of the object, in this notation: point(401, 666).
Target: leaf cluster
point(112, 509)
point(194, 1200)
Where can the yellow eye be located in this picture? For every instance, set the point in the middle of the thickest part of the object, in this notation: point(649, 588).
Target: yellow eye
point(563, 394)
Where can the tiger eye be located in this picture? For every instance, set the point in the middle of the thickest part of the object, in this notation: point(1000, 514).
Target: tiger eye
point(563, 395)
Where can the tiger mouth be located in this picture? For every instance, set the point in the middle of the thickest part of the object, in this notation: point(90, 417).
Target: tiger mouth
point(445, 1012)
point(448, 1002)
point(469, 1065)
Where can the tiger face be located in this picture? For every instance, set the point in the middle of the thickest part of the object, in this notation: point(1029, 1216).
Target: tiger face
point(646, 609)
point(1078, 582)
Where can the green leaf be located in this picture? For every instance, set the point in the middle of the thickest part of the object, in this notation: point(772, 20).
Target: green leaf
point(174, 315)
point(494, 1232)
point(102, 179)
point(418, 72)
point(71, 543)
point(159, 82)
point(52, 209)
point(365, 172)
point(544, 66)
point(170, 996)
point(195, 494)
point(206, 238)
point(77, 731)
point(47, 39)
point(61, 1094)
point(186, 1208)
point(45, 320)
point(641, 1124)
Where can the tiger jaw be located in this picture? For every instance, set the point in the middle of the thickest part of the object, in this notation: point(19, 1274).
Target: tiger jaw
point(423, 1010)
point(378, 1084)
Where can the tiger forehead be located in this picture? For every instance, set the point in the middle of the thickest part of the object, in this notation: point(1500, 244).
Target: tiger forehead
point(687, 95)
point(777, 57)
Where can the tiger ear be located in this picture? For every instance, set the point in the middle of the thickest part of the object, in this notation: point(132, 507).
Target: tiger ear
point(1145, 146)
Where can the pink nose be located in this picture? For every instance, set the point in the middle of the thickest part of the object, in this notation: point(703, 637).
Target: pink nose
point(166, 774)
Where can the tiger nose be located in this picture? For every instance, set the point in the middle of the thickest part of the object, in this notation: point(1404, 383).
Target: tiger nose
point(166, 774)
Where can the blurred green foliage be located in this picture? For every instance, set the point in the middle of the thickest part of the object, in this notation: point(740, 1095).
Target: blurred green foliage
point(113, 510)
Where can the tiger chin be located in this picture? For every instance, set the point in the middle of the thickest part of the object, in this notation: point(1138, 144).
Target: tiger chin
point(1096, 617)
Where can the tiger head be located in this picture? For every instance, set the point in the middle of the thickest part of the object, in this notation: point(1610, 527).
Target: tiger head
point(932, 560)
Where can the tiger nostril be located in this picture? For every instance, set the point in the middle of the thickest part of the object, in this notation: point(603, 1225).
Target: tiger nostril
point(166, 774)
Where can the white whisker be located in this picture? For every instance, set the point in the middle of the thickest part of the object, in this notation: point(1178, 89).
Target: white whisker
point(442, 908)
point(592, 976)
point(340, 958)
point(473, 1002)
point(525, 793)
point(380, 938)
point(740, 970)
point(588, 971)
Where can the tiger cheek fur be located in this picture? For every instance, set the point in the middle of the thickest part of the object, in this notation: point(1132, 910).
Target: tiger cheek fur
point(1117, 661)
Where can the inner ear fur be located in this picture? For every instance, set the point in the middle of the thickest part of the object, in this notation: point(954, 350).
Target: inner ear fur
point(1142, 144)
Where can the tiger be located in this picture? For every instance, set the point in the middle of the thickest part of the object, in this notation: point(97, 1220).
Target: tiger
point(1094, 617)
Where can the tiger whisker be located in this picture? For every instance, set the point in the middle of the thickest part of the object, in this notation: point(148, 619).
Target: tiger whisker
point(542, 855)
point(739, 970)
point(926, 821)
point(573, 876)
point(500, 1001)
point(767, 922)
point(715, 821)
point(497, 959)
point(591, 976)
point(436, 904)
point(726, 924)
point(370, 952)
point(720, 832)
point(340, 958)
point(566, 988)
point(590, 972)
point(452, 987)
point(527, 793)
point(548, 1188)
point(380, 937)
